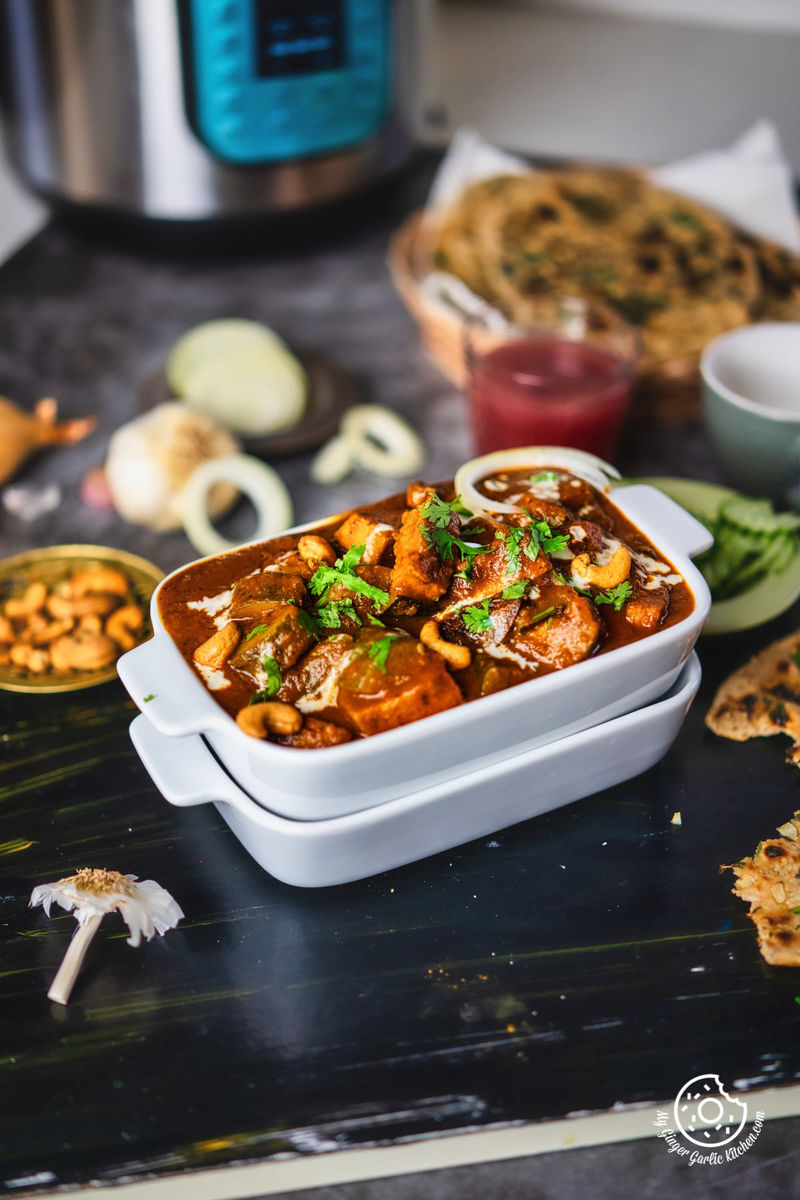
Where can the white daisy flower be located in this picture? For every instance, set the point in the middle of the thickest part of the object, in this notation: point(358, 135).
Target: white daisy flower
point(145, 907)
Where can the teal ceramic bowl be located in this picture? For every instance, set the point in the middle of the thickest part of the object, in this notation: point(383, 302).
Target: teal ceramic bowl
point(751, 407)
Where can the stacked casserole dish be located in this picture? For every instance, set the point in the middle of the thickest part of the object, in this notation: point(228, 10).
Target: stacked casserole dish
point(323, 816)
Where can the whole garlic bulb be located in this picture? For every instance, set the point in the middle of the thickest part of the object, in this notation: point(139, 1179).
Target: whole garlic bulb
point(151, 458)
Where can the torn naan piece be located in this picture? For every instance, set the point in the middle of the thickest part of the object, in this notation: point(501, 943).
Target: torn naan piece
point(770, 883)
point(762, 698)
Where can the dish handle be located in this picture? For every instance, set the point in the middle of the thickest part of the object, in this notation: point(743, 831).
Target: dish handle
point(156, 681)
point(183, 769)
point(643, 505)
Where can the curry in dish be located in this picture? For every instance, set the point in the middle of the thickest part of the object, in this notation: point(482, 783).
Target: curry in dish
point(415, 605)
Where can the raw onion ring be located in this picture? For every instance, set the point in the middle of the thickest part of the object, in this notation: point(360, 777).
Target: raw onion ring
point(586, 466)
point(263, 487)
point(382, 441)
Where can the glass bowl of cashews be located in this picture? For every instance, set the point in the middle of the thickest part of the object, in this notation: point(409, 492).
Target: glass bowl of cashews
point(454, 625)
point(68, 612)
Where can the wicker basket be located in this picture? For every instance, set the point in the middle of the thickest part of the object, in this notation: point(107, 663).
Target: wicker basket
point(669, 394)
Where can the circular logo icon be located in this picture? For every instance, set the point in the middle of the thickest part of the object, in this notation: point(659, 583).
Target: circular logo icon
point(706, 1115)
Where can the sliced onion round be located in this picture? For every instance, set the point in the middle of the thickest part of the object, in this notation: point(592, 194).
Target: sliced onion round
point(263, 487)
point(334, 461)
point(579, 462)
point(381, 441)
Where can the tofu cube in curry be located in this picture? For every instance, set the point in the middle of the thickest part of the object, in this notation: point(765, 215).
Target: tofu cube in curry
point(281, 636)
point(419, 573)
point(358, 530)
point(255, 593)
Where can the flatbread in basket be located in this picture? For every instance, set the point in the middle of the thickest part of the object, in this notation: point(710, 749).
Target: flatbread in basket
point(676, 270)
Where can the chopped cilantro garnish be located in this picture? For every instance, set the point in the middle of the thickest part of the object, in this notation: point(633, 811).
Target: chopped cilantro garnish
point(273, 673)
point(540, 616)
point(679, 216)
point(330, 615)
point(515, 590)
point(308, 623)
point(343, 573)
point(476, 617)
point(254, 632)
point(147, 699)
point(616, 596)
point(379, 652)
point(544, 477)
point(542, 535)
point(437, 514)
point(562, 579)
point(512, 540)
point(373, 620)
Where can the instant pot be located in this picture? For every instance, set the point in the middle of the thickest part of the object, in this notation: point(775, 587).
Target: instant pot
point(205, 109)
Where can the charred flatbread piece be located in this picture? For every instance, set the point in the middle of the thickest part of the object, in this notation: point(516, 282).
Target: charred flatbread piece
point(677, 270)
point(770, 883)
point(762, 698)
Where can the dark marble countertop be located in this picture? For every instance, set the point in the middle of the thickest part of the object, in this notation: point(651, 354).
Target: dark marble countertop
point(481, 988)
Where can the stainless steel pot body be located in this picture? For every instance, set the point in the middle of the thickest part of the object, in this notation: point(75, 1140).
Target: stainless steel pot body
point(94, 103)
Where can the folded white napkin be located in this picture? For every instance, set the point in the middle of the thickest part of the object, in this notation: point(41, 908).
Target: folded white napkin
point(750, 182)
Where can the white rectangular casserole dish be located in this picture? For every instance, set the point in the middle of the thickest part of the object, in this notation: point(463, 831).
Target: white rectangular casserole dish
point(341, 849)
point(330, 782)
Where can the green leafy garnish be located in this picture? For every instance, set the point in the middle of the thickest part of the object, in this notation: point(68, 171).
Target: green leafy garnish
point(308, 623)
point(679, 216)
point(330, 615)
point(373, 620)
point(437, 514)
point(273, 673)
point(512, 540)
point(542, 535)
point(343, 572)
point(515, 590)
point(476, 617)
point(544, 477)
point(254, 632)
point(616, 596)
point(540, 616)
point(147, 699)
point(379, 652)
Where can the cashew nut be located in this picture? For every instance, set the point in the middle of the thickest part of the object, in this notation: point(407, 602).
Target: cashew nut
point(123, 623)
point(36, 624)
point(82, 652)
point(100, 579)
point(51, 631)
point(457, 657)
point(62, 608)
point(19, 654)
point(29, 602)
point(6, 630)
point(219, 647)
point(273, 716)
point(417, 494)
point(38, 661)
point(91, 623)
point(314, 549)
point(610, 574)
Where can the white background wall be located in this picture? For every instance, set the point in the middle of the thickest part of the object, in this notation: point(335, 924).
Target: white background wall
point(549, 79)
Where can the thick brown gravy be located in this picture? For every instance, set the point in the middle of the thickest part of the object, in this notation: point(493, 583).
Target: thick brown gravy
point(522, 611)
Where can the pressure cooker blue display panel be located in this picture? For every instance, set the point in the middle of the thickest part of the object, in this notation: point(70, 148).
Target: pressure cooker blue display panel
point(276, 80)
point(299, 36)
